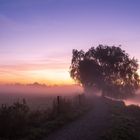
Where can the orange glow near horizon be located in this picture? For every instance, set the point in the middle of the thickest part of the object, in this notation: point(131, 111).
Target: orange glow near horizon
point(55, 76)
point(27, 74)
point(48, 77)
point(37, 37)
point(53, 71)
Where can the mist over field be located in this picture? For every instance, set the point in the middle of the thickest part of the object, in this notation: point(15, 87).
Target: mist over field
point(69, 70)
point(40, 95)
point(134, 100)
point(36, 95)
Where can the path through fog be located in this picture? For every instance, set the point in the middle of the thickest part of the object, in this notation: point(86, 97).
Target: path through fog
point(89, 127)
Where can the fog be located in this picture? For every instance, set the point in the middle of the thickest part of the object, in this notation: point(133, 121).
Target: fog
point(36, 95)
point(40, 96)
point(134, 100)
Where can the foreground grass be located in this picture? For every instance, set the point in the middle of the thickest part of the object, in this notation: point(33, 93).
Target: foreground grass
point(19, 122)
point(125, 122)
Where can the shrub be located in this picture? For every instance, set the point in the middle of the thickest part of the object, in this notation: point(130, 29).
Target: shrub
point(13, 120)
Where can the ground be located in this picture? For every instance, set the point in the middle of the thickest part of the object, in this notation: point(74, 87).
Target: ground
point(91, 126)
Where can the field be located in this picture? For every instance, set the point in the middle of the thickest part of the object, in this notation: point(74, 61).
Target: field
point(27, 114)
point(36, 117)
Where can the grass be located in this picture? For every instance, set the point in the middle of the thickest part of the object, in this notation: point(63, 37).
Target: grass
point(18, 121)
point(125, 122)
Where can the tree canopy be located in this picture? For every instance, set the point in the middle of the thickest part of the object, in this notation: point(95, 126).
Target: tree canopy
point(108, 68)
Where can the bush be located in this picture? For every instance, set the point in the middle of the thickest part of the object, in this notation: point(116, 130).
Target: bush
point(13, 120)
point(125, 122)
point(19, 122)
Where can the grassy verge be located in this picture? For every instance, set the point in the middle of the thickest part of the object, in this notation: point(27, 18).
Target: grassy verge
point(125, 122)
point(19, 122)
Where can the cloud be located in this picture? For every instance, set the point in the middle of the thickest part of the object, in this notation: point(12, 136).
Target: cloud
point(36, 65)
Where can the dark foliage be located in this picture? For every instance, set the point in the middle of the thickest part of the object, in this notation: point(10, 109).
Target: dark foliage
point(124, 122)
point(107, 68)
point(18, 122)
point(13, 120)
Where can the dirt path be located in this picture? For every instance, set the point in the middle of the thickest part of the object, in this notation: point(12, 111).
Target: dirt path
point(89, 127)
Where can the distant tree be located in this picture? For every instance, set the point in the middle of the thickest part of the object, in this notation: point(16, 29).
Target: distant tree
point(107, 68)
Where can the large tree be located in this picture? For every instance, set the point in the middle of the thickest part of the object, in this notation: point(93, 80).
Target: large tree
point(107, 68)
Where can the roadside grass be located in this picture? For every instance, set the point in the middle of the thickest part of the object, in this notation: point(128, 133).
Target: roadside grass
point(18, 121)
point(125, 122)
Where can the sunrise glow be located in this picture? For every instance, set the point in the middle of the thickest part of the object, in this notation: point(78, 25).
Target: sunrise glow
point(37, 37)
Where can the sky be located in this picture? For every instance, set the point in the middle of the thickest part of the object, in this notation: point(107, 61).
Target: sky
point(37, 36)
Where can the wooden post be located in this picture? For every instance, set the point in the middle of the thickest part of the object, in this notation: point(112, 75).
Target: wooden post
point(58, 104)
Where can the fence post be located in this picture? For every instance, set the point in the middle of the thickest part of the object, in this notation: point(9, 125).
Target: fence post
point(58, 104)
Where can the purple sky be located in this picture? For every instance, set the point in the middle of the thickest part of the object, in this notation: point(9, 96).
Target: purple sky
point(37, 36)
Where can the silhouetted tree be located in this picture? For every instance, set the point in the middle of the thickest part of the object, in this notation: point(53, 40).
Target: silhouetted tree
point(107, 68)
